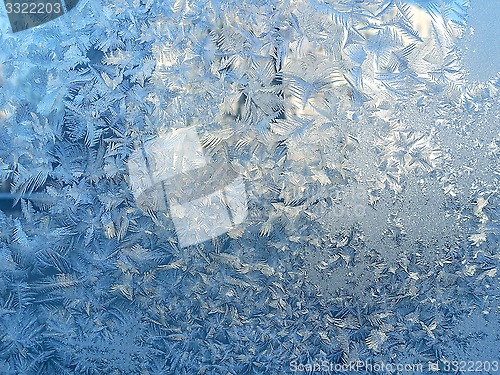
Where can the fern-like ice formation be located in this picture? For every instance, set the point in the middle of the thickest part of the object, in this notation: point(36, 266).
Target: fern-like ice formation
point(371, 165)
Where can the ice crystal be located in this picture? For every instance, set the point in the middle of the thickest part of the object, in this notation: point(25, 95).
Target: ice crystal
point(370, 156)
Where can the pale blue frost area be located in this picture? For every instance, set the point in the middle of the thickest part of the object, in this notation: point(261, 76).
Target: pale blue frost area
point(368, 140)
point(481, 47)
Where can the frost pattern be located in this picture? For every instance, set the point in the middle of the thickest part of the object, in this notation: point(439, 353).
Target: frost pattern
point(371, 167)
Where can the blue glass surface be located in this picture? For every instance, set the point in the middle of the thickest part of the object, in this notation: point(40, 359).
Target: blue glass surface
point(250, 187)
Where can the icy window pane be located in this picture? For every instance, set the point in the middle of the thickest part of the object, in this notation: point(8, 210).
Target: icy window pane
point(251, 187)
